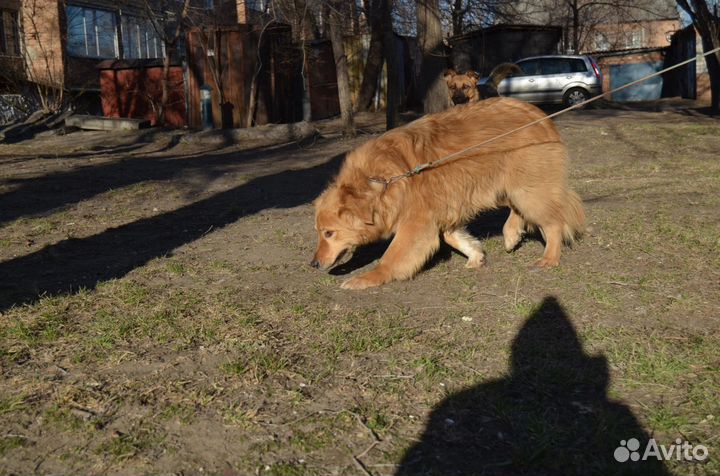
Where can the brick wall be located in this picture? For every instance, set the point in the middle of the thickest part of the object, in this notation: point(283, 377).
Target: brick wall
point(43, 41)
point(649, 34)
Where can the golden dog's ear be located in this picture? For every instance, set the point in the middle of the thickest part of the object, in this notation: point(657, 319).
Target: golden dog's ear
point(473, 74)
point(449, 73)
point(359, 203)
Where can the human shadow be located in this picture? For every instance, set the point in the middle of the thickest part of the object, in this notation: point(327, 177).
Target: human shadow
point(551, 416)
point(83, 262)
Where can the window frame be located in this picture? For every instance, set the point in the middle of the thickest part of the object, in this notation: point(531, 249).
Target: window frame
point(120, 20)
point(15, 33)
point(116, 46)
point(148, 33)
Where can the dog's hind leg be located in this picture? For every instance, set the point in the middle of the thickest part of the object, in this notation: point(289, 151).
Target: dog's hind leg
point(545, 210)
point(513, 230)
point(413, 244)
point(553, 235)
point(466, 244)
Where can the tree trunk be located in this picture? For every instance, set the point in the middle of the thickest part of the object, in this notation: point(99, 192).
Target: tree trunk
point(713, 64)
point(433, 90)
point(458, 15)
point(708, 25)
point(341, 68)
point(575, 27)
point(374, 62)
point(392, 103)
point(165, 97)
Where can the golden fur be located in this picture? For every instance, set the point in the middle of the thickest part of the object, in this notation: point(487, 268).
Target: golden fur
point(525, 171)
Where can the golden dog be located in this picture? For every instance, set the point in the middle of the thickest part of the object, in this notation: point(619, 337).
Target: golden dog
point(464, 87)
point(525, 170)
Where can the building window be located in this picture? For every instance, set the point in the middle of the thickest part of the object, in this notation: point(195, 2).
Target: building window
point(601, 42)
point(91, 32)
point(9, 33)
point(634, 39)
point(139, 39)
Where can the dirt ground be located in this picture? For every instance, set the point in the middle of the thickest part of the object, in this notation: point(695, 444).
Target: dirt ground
point(157, 315)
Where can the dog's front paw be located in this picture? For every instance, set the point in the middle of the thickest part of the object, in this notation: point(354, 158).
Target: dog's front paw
point(547, 262)
point(361, 282)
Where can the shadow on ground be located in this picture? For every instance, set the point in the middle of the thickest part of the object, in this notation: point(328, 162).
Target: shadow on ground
point(486, 225)
point(550, 416)
point(38, 195)
point(83, 262)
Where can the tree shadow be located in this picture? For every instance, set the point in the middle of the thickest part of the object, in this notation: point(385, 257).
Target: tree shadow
point(550, 416)
point(38, 195)
point(83, 262)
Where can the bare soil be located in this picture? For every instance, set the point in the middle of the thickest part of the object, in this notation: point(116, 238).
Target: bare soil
point(157, 315)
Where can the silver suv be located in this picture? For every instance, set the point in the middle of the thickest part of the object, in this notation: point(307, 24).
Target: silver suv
point(554, 79)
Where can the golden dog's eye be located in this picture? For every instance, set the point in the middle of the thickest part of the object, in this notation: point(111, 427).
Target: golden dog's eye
point(328, 233)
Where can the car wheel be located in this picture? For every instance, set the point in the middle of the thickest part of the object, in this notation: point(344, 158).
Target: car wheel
point(575, 96)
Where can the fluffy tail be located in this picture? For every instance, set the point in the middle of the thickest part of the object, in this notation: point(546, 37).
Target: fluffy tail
point(501, 72)
point(574, 216)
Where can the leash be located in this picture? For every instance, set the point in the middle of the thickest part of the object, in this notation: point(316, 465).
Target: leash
point(436, 163)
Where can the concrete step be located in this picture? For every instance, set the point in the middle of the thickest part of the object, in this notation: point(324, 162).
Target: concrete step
point(97, 123)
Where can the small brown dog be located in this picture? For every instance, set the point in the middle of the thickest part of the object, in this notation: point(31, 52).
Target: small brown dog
point(525, 171)
point(464, 87)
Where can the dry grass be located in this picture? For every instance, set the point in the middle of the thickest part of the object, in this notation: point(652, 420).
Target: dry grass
point(225, 353)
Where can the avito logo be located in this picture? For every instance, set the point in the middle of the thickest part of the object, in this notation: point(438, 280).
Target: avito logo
point(680, 451)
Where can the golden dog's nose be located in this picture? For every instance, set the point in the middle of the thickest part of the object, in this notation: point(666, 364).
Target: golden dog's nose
point(315, 264)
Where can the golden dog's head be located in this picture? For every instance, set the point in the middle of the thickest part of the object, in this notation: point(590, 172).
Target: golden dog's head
point(345, 217)
point(462, 87)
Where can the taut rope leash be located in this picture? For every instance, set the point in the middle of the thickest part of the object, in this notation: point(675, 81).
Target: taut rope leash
point(436, 163)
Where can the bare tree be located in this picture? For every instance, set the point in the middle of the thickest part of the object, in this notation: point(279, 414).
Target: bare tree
point(707, 23)
point(374, 62)
point(341, 66)
point(300, 15)
point(433, 91)
point(392, 104)
point(169, 26)
point(42, 64)
point(461, 16)
point(585, 16)
point(585, 20)
point(207, 35)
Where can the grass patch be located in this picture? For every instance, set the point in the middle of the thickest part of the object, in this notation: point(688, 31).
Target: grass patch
point(11, 442)
point(358, 333)
point(13, 404)
point(139, 440)
point(430, 368)
point(258, 361)
point(286, 468)
point(176, 268)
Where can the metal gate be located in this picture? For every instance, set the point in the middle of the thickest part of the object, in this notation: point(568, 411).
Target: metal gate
point(621, 74)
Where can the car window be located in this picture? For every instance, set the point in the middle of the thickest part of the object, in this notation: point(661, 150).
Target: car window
point(562, 65)
point(577, 65)
point(530, 67)
point(554, 66)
